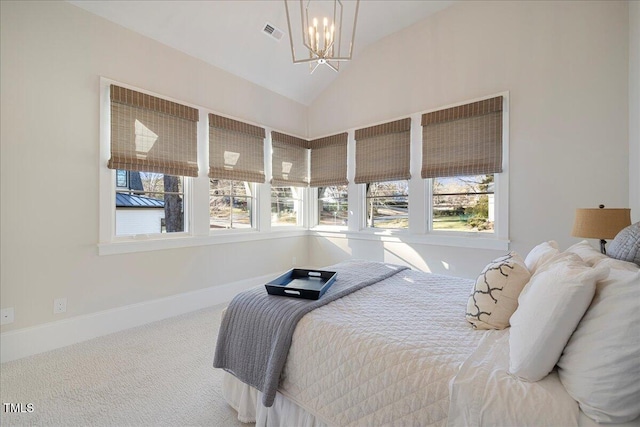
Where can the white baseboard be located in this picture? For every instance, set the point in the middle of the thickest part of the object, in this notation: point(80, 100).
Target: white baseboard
point(50, 336)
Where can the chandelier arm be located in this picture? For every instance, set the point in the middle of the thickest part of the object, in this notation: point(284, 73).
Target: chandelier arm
point(340, 26)
point(293, 52)
point(314, 68)
point(353, 35)
point(334, 68)
point(328, 47)
point(339, 59)
point(302, 61)
point(303, 26)
point(308, 47)
point(335, 6)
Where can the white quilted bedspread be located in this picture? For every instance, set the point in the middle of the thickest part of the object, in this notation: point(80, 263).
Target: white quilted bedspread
point(376, 357)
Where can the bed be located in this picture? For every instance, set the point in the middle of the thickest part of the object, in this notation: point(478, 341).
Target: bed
point(400, 351)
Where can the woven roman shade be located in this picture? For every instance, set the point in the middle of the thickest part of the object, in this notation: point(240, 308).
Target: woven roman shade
point(382, 152)
point(151, 134)
point(463, 140)
point(289, 160)
point(236, 150)
point(329, 161)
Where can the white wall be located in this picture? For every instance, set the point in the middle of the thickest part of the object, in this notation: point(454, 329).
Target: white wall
point(565, 65)
point(634, 110)
point(52, 57)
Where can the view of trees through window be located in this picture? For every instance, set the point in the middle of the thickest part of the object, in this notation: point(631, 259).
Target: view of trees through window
point(230, 204)
point(388, 204)
point(333, 206)
point(285, 205)
point(464, 203)
point(148, 202)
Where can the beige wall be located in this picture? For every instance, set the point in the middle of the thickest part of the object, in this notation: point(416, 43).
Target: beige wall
point(53, 55)
point(634, 110)
point(565, 66)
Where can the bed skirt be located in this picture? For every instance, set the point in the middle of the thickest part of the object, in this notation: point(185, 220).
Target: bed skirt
point(247, 401)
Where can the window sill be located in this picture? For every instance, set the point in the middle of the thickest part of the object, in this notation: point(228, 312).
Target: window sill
point(147, 244)
point(329, 229)
point(469, 240)
point(134, 245)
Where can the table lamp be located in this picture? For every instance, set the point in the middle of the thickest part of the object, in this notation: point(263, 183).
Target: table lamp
point(601, 223)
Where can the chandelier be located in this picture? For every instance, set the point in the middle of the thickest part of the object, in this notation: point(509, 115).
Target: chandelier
point(322, 34)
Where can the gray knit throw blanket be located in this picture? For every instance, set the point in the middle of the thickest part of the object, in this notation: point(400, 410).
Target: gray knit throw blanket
point(256, 331)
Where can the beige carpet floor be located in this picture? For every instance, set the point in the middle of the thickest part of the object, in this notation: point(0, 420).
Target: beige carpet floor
point(159, 374)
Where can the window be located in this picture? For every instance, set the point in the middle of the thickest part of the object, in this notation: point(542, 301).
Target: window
point(231, 204)
point(148, 203)
point(153, 148)
point(152, 196)
point(290, 170)
point(462, 153)
point(464, 203)
point(382, 164)
point(286, 206)
point(333, 209)
point(387, 204)
point(236, 161)
point(329, 176)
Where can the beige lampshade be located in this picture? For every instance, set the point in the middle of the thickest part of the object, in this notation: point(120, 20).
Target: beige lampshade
point(600, 223)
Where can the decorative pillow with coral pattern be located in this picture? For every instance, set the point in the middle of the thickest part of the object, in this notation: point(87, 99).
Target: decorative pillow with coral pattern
point(494, 297)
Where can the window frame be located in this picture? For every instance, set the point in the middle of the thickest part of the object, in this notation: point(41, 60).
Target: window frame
point(460, 233)
point(314, 208)
point(501, 187)
point(108, 187)
point(420, 230)
point(196, 201)
point(366, 226)
point(255, 204)
point(196, 198)
point(301, 214)
point(122, 190)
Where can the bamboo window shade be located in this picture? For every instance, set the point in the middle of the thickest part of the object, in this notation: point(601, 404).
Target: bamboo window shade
point(236, 150)
point(382, 152)
point(329, 161)
point(150, 134)
point(289, 160)
point(463, 140)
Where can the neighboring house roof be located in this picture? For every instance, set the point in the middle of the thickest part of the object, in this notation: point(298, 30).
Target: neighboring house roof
point(133, 201)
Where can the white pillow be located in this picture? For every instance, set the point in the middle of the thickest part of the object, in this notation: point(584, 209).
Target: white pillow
point(586, 252)
point(541, 254)
point(549, 309)
point(600, 366)
point(494, 296)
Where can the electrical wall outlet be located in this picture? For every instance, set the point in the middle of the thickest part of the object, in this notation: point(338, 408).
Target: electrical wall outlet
point(59, 305)
point(293, 261)
point(6, 316)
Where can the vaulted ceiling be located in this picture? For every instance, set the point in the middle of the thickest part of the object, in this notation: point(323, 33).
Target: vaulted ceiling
point(229, 35)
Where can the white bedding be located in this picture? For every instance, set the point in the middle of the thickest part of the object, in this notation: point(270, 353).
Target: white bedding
point(390, 353)
point(484, 393)
point(385, 353)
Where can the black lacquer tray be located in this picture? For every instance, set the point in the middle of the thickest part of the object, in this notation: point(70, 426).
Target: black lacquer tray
point(301, 283)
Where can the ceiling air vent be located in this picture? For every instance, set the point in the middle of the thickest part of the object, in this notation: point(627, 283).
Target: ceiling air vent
point(272, 31)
